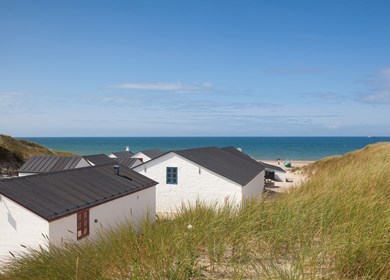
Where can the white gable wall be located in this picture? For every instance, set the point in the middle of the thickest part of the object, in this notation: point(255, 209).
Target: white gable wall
point(194, 183)
point(22, 174)
point(19, 226)
point(132, 208)
point(280, 176)
point(137, 162)
point(255, 187)
point(142, 156)
point(82, 163)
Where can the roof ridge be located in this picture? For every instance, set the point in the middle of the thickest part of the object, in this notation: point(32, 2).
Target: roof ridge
point(63, 171)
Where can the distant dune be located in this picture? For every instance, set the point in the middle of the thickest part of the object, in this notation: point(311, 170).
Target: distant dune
point(14, 152)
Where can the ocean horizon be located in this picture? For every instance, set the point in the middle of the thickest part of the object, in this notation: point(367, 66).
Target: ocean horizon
point(265, 148)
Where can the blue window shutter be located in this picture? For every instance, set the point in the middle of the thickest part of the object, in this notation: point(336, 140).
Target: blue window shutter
point(171, 175)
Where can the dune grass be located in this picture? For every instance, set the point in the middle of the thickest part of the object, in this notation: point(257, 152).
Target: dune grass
point(335, 226)
point(23, 149)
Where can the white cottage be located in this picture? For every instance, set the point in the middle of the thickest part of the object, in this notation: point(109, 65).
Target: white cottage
point(45, 164)
point(71, 205)
point(211, 175)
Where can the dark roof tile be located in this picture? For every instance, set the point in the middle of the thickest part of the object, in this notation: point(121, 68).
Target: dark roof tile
point(99, 159)
point(152, 153)
point(43, 164)
point(224, 163)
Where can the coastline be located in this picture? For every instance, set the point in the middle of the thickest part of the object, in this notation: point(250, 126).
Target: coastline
point(294, 163)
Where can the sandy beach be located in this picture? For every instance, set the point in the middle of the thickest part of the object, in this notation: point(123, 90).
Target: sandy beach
point(294, 179)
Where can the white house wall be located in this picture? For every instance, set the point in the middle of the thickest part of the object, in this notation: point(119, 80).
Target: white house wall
point(142, 156)
point(280, 176)
point(131, 208)
point(19, 226)
point(255, 187)
point(194, 183)
point(82, 163)
point(22, 174)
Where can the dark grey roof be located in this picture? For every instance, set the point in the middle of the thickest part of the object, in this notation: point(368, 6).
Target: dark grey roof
point(123, 154)
point(127, 161)
point(233, 167)
point(57, 194)
point(273, 167)
point(242, 155)
point(239, 154)
point(99, 159)
point(152, 153)
point(43, 164)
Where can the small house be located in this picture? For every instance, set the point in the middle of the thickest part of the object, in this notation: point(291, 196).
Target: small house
point(71, 205)
point(211, 175)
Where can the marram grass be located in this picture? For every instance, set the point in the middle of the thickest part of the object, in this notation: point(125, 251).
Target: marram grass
point(335, 226)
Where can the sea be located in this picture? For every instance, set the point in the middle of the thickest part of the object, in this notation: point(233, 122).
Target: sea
point(266, 148)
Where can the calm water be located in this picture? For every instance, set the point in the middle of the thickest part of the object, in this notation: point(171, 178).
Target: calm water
point(299, 148)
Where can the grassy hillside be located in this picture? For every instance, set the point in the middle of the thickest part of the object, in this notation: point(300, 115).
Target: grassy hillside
point(336, 226)
point(23, 149)
point(14, 152)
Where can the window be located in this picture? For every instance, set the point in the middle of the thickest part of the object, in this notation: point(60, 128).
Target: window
point(172, 175)
point(82, 224)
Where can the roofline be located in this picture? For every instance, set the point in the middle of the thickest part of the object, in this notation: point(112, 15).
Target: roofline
point(151, 159)
point(72, 170)
point(64, 171)
point(91, 205)
point(24, 171)
point(202, 166)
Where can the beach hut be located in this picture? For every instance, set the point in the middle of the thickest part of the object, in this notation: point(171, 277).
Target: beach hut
point(70, 206)
point(210, 175)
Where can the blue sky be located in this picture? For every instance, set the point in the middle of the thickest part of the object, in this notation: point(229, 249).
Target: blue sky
point(194, 68)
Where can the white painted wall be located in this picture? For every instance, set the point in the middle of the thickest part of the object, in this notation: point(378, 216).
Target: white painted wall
point(131, 208)
point(142, 156)
point(19, 226)
point(82, 163)
point(21, 174)
point(280, 176)
point(194, 183)
point(255, 187)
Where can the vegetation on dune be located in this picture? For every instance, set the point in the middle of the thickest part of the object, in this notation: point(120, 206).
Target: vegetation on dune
point(335, 226)
point(23, 149)
point(14, 152)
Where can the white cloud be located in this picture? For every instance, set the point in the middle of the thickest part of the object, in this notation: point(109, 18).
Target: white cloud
point(176, 87)
point(380, 93)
